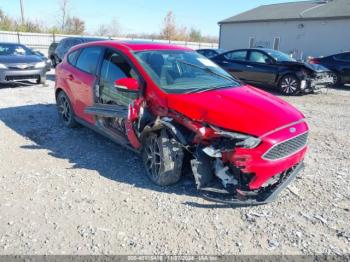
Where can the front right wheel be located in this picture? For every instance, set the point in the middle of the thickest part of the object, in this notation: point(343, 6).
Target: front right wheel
point(163, 158)
point(289, 85)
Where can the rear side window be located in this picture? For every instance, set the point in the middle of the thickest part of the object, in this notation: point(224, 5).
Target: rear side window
point(72, 57)
point(343, 57)
point(237, 56)
point(211, 54)
point(88, 59)
point(258, 57)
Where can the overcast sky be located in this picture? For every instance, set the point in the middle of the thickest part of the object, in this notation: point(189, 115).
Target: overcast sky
point(138, 16)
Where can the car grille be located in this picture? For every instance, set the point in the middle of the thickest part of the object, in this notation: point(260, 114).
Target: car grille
point(20, 68)
point(287, 148)
point(25, 77)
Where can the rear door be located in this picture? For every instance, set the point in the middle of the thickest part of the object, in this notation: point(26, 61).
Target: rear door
point(260, 68)
point(82, 80)
point(234, 62)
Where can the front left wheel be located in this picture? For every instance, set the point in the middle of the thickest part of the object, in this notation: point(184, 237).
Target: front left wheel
point(41, 80)
point(290, 85)
point(163, 158)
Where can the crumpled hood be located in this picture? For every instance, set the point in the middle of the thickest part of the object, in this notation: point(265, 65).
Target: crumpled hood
point(19, 59)
point(313, 67)
point(242, 109)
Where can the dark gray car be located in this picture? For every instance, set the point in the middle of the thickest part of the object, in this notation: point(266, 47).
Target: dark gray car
point(20, 63)
point(67, 43)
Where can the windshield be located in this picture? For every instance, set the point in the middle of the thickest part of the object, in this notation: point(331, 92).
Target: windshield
point(184, 71)
point(281, 57)
point(13, 49)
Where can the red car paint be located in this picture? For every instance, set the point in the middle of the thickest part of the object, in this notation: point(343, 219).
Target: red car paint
point(243, 109)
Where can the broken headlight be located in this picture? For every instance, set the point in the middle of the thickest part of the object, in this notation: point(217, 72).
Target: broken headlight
point(245, 141)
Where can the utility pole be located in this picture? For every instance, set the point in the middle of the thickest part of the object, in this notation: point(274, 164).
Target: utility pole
point(22, 11)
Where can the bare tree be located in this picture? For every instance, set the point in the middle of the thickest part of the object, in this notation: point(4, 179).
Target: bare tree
point(169, 30)
point(75, 25)
point(111, 29)
point(102, 30)
point(195, 35)
point(6, 23)
point(114, 28)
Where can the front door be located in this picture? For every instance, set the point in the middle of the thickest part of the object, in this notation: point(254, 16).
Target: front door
point(115, 66)
point(260, 69)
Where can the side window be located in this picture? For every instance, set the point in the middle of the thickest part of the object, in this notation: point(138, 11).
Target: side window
point(60, 46)
point(258, 57)
point(202, 52)
point(115, 67)
point(211, 54)
point(66, 45)
point(343, 57)
point(72, 57)
point(88, 59)
point(236, 56)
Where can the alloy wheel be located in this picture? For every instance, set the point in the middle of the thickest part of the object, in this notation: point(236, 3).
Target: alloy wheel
point(64, 108)
point(289, 85)
point(153, 157)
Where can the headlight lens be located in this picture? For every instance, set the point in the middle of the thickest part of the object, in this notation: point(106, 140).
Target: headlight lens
point(2, 66)
point(246, 140)
point(40, 65)
point(250, 142)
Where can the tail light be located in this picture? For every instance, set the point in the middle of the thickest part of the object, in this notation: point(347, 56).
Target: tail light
point(314, 61)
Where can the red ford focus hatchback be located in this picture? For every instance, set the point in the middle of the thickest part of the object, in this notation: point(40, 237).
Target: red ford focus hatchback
point(178, 109)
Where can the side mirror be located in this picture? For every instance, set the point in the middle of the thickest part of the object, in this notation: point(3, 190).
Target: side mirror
point(269, 61)
point(127, 85)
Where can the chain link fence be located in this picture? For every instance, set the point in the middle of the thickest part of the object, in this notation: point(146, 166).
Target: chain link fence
point(42, 42)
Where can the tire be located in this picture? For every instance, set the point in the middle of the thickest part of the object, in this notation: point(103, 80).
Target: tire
point(163, 158)
point(202, 168)
point(53, 62)
point(65, 110)
point(337, 80)
point(41, 80)
point(289, 85)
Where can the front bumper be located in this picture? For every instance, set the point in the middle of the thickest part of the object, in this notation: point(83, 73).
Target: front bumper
point(9, 75)
point(262, 197)
point(318, 82)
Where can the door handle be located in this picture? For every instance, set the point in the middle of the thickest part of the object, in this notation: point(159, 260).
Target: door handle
point(224, 62)
point(249, 66)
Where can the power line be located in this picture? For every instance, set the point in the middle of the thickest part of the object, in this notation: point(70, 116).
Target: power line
point(22, 10)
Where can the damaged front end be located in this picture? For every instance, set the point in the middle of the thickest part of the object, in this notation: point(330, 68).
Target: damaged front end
point(232, 168)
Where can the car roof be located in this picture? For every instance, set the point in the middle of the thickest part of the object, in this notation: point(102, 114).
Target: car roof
point(219, 50)
point(84, 38)
point(134, 45)
point(7, 43)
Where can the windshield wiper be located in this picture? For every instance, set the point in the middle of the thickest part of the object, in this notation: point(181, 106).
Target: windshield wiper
point(206, 69)
point(202, 90)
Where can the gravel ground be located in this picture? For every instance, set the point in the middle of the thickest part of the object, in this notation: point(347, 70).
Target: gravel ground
point(67, 191)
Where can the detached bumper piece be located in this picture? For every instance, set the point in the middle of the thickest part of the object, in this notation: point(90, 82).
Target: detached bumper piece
point(266, 195)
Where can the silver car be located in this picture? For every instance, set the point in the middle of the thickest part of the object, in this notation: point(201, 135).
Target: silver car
point(19, 63)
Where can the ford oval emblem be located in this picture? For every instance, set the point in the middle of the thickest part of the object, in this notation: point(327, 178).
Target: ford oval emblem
point(293, 130)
